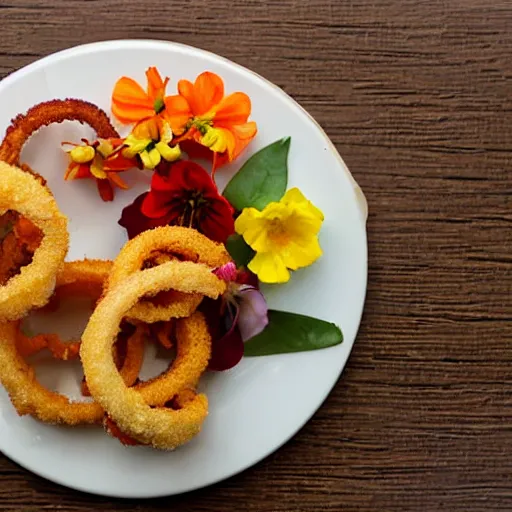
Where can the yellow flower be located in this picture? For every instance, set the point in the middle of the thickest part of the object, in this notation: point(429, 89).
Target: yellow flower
point(284, 236)
point(215, 139)
point(150, 140)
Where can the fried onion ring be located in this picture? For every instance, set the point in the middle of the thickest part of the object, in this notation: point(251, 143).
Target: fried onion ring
point(35, 283)
point(27, 394)
point(29, 397)
point(43, 114)
point(158, 426)
point(186, 243)
point(49, 112)
point(194, 351)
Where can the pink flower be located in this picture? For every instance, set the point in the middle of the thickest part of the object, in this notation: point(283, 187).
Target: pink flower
point(239, 315)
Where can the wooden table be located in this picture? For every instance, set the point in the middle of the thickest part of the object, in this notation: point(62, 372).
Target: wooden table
point(416, 95)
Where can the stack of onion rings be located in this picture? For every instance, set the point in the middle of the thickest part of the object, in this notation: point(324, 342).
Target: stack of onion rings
point(152, 288)
point(27, 394)
point(159, 426)
point(174, 242)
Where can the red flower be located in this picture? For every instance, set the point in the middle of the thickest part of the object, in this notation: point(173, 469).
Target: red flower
point(227, 343)
point(183, 194)
point(237, 316)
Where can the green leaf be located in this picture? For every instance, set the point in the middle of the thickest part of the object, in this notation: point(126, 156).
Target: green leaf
point(289, 332)
point(238, 249)
point(262, 179)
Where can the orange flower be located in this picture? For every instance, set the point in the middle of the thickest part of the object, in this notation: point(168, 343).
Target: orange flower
point(101, 160)
point(131, 103)
point(201, 113)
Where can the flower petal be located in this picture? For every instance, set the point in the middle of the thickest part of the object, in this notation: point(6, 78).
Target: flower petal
point(117, 180)
point(227, 272)
point(208, 92)
point(105, 147)
point(227, 351)
point(156, 86)
point(71, 171)
point(253, 227)
point(148, 129)
point(130, 103)
point(296, 255)
point(168, 153)
point(117, 163)
point(133, 220)
point(154, 206)
point(269, 268)
point(177, 113)
point(253, 313)
point(233, 109)
point(105, 189)
point(295, 197)
point(97, 168)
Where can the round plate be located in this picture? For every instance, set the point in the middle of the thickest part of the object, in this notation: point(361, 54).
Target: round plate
point(262, 402)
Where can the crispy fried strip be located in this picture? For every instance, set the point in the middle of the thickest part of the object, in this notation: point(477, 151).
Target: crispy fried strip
point(160, 427)
point(194, 351)
point(163, 333)
point(35, 283)
point(185, 242)
point(65, 351)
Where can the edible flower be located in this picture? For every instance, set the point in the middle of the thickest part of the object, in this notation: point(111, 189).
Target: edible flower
point(101, 160)
point(201, 114)
point(150, 141)
point(131, 103)
point(284, 236)
point(182, 194)
point(236, 317)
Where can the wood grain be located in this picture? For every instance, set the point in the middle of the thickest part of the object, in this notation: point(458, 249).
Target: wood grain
point(416, 95)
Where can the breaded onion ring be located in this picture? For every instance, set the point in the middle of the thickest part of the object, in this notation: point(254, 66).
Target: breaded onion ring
point(29, 397)
point(43, 114)
point(75, 278)
point(35, 283)
point(48, 112)
point(188, 244)
point(194, 351)
point(160, 427)
point(130, 362)
point(27, 394)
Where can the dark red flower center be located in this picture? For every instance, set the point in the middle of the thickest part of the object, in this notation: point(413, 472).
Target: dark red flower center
point(193, 203)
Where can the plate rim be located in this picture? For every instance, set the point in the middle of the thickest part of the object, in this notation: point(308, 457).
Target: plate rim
point(360, 200)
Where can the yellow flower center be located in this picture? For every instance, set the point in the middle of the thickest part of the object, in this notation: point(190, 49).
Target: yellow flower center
point(82, 154)
point(277, 232)
point(215, 139)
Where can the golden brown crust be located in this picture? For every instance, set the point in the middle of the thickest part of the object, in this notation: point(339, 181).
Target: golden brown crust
point(17, 376)
point(161, 427)
point(35, 283)
point(49, 112)
point(187, 243)
point(194, 351)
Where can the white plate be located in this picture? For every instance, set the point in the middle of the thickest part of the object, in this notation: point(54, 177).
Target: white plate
point(262, 402)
